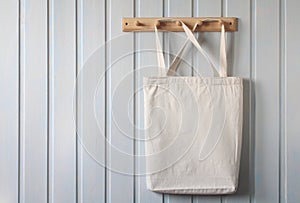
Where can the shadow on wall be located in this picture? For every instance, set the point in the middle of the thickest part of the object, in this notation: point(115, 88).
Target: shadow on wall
point(245, 178)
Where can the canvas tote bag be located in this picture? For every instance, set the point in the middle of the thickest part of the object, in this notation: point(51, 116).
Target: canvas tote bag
point(193, 127)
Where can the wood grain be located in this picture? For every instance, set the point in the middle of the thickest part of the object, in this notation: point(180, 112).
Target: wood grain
point(173, 24)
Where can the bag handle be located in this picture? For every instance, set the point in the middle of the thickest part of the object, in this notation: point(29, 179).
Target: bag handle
point(160, 57)
point(190, 37)
point(176, 60)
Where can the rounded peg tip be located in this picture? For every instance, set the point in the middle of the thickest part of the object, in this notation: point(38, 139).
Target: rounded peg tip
point(200, 22)
point(137, 23)
point(221, 22)
point(178, 23)
point(157, 23)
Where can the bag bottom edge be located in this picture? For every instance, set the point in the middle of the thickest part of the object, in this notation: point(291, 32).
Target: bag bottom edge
point(202, 191)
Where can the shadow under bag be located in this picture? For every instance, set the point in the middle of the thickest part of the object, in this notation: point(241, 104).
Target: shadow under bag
point(193, 127)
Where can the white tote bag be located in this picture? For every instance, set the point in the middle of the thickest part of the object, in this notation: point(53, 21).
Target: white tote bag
point(193, 127)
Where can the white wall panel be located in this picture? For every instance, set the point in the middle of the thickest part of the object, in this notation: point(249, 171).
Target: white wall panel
point(62, 75)
point(34, 101)
point(120, 87)
point(9, 105)
point(292, 100)
point(267, 64)
point(145, 65)
point(90, 122)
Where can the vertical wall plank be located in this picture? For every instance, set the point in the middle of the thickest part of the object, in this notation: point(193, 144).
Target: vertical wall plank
point(34, 101)
point(146, 65)
point(62, 74)
point(283, 107)
point(292, 101)
point(211, 43)
point(283, 102)
point(267, 101)
point(173, 42)
point(239, 64)
point(120, 88)
point(90, 104)
point(9, 82)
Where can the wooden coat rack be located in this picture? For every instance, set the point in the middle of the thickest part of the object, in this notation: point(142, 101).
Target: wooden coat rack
point(206, 24)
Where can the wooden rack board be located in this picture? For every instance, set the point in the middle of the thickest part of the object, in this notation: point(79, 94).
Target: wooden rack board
point(205, 24)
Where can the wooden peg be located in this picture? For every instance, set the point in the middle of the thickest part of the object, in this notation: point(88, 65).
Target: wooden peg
point(157, 23)
point(137, 23)
point(199, 23)
point(178, 23)
point(221, 22)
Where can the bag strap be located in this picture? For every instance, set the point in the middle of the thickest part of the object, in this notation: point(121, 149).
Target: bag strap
point(190, 37)
point(177, 59)
point(223, 58)
point(160, 57)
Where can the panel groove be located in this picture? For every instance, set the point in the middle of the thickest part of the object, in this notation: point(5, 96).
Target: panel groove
point(282, 94)
point(252, 99)
point(48, 104)
point(133, 107)
point(224, 11)
point(79, 48)
point(280, 102)
point(76, 101)
point(164, 12)
point(105, 101)
point(19, 101)
point(134, 117)
point(292, 101)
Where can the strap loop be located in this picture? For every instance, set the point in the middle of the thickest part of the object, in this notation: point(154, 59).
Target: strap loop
point(176, 60)
point(190, 37)
point(223, 59)
point(160, 56)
